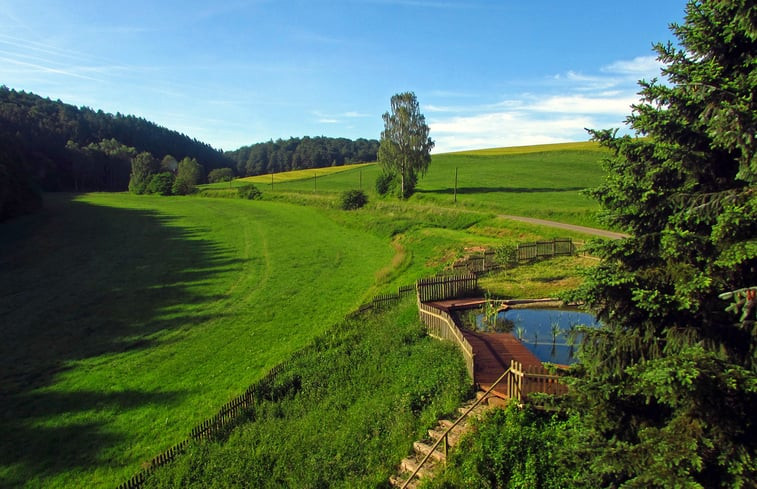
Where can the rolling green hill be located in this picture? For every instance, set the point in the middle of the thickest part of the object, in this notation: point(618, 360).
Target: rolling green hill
point(131, 319)
point(543, 181)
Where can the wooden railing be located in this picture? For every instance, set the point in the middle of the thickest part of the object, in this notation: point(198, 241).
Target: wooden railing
point(532, 379)
point(441, 288)
point(445, 435)
point(519, 384)
point(539, 249)
point(440, 325)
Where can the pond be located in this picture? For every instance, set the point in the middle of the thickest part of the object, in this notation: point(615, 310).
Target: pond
point(550, 334)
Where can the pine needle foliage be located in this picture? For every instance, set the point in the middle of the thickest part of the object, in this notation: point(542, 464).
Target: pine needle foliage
point(668, 387)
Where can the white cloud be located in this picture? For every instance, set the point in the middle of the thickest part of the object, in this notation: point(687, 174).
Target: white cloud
point(580, 104)
point(640, 66)
point(557, 109)
point(505, 129)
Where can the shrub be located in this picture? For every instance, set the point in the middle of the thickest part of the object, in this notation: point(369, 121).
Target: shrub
point(506, 255)
point(353, 199)
point(220, 175)
point(249, 192)
point(385, 183)
point(161, 183)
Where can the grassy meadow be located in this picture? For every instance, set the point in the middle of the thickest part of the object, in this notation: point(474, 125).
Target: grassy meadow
point(130, 319)
point(542, 181)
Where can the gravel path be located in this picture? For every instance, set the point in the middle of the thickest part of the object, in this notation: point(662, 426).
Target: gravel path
point(570, 227)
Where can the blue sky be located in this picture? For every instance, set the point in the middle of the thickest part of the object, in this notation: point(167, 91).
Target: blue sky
point(486, 73)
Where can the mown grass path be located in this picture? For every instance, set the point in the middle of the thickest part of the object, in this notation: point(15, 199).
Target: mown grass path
point(129, 319)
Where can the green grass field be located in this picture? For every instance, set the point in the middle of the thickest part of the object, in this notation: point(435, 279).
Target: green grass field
point(129, 319)
point(541, 181)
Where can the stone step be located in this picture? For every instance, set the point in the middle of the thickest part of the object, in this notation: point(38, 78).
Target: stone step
point(410, 464)
point(423, 449)
point(398, 481)
point(444, 424)
point(452, 438)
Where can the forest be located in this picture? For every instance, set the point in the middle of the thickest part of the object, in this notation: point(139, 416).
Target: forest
point(301, 153)
point(48, 146)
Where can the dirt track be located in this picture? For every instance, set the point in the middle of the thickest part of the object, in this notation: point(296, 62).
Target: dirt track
point(570, 227)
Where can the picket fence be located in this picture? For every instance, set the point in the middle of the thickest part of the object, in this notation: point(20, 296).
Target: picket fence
point(531, 379)
point(442, 326)
point(477, 264)
point(541, 249)
point(451, 287)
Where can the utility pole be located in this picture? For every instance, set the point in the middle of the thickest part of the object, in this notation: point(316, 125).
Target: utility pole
point(455, 185)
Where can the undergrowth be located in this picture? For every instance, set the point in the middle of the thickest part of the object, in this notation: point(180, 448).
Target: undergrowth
point(342, 413)
point(514, 448)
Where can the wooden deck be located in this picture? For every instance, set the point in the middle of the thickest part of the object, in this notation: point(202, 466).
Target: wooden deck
point(493, 352)
point(454, 304)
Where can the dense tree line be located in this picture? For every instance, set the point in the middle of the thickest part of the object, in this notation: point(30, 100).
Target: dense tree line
point(300, 153)
point(52, 146)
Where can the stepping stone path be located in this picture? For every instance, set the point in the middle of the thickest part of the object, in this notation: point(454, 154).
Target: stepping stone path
point(438, 457)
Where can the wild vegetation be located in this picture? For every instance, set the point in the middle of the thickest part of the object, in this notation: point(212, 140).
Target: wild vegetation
point(131, 318)
point(342, 414)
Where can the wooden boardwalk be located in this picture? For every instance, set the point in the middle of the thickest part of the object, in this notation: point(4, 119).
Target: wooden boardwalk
point(493, 352)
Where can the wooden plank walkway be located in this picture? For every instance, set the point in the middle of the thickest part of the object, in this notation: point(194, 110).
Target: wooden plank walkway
point(493, 352)
point(454, 304)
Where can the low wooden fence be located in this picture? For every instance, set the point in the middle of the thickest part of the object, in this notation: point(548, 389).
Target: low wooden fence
point(442, 288)
point(384, 300)
point(477, 264)
point(531, 379)
point(540, 249)
point(208, 429)
point(442, 326)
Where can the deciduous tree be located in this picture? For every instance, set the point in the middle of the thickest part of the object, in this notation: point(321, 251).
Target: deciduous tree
point(188, 175)
point(405, 148)
point(142, 167)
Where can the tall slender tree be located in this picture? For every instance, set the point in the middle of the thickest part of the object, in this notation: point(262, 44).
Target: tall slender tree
point(405, 148)
point(668, 387)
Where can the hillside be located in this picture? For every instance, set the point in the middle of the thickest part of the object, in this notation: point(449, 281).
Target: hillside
point(544, 181)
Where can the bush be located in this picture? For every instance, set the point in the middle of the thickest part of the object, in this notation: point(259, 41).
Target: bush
point(249, 192)
point(507, 255)
point(353, 199)
point(161, 183)
point(385, 183)
point(220, 175)
point(514, 448)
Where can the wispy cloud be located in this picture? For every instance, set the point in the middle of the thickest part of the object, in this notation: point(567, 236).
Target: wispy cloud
point(641, 66)
point(559, 111)
point(338, 118)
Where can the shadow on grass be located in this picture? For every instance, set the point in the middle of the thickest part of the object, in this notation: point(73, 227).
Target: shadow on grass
point(80, 281)
point(494, 190)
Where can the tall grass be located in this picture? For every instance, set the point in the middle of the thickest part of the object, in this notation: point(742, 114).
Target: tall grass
point(346, 411)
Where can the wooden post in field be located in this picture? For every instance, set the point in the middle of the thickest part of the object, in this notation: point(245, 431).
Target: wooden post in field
point(271, 181)
point(315, 181)
point(455, 185)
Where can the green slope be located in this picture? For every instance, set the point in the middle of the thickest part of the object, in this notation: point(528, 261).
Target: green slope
point(127, 320)
point(543, 181)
